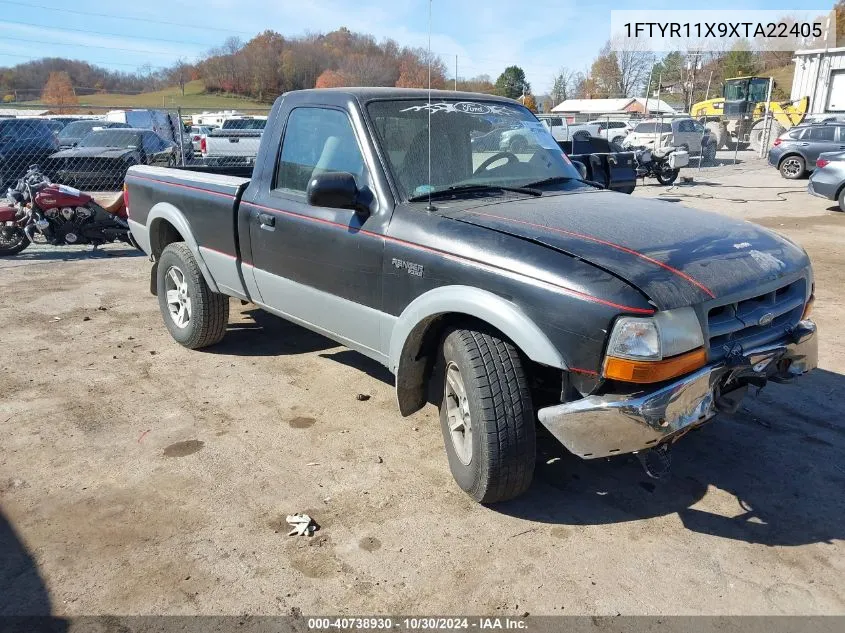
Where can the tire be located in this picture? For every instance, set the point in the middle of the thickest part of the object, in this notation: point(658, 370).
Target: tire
point(618, 140)
point(793, 167)
point(667, 176)
point(841, 199)
point(207, 312)
point(496, 461)
point(719, 132)
point(12, 241)
point(581, 135)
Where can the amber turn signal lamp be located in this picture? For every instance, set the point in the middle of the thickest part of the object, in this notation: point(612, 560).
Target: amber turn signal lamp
point(808, 309)
point(645, 371)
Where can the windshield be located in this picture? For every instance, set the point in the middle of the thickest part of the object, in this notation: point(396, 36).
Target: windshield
point(472, 143)
point(78, 129)
point(111, 138)
point(736, 90)
point(651, 127)
point(244, 124)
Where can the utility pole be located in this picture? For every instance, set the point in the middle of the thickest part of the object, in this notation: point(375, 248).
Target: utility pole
point(456, 72)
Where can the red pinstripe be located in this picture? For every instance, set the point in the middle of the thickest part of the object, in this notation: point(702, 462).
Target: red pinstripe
point(395, 240)
point(176, 184)
point(619, 247)
point(451, 256)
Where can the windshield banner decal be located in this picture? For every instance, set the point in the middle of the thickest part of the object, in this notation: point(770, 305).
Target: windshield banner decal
point(465, 107)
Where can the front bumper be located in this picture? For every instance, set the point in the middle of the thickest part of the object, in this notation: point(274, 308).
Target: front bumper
point(601, 426)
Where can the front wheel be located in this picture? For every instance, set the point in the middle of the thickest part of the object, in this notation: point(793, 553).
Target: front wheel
point(667, 176)
point(13, 240)
point(486, 415)
point(195, 316)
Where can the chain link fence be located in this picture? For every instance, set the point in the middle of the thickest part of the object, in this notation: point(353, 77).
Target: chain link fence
point(92, 147)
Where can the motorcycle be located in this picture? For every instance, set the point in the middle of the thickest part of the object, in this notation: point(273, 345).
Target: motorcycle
point(37, 210)
point(664, 163)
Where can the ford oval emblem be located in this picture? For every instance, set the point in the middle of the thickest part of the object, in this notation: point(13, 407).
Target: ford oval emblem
point(766, 319)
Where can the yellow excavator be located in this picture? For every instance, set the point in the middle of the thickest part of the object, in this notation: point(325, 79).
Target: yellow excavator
point(738, 117)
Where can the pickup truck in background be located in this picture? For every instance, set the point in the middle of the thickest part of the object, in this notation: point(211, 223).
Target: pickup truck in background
point(499, 286)
point(234, 143)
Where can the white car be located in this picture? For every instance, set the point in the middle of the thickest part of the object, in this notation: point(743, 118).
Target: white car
point(197, 132)
point(613, 131)
point(682, 132)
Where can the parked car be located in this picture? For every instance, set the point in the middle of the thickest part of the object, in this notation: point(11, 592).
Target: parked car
point(197, 132)
point(684, 133)
point(828, 178)
point(495, 286)
point(565, 131)
point(520, 138)
point(75, 131)
point(614, 131)
point(164, 123)
point(794, 152)
point(100, 160)
point(235, 142)
point(23, 142)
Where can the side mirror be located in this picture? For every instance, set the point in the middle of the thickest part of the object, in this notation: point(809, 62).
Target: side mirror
point(337, 190)
point(581, 167)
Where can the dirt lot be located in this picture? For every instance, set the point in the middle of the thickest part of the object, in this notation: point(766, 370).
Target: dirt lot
point(137, 477)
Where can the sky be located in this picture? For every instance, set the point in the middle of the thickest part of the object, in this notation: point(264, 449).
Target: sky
point(485, 35)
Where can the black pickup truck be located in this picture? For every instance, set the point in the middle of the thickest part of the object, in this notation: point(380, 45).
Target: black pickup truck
point(499, 286)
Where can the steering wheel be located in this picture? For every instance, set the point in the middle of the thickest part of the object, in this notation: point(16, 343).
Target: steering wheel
point(512, 158)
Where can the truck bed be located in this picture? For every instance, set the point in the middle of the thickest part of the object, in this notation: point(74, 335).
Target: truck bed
point(206, 202)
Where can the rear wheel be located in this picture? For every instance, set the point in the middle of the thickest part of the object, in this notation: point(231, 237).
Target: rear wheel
point(792, 167)
point(12, 240)
point(195, 316)
point(841, 199)
point(667, 175)
point(486, 415)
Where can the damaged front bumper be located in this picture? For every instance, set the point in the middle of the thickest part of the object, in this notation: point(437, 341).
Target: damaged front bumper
point(614, 424)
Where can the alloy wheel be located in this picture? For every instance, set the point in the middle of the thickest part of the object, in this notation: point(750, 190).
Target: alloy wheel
point(457, 414)
point(178, 297)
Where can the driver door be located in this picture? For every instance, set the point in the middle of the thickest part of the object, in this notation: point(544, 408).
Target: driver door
point(321, 266)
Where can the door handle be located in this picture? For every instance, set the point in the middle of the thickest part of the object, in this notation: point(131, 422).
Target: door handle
point(803, 144)
point(267, 221)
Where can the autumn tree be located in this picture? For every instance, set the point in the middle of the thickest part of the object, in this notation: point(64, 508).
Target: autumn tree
point(530, 102)
point(480, 83)
point(511, 83)
point(332, 79)
point(58, 92)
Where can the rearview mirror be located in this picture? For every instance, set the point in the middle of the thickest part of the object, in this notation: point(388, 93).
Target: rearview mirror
point(337, 190)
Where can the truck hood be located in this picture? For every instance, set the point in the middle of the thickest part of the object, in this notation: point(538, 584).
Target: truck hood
point(675, 255)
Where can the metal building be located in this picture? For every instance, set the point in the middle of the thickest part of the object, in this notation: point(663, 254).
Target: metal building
point(820, 74)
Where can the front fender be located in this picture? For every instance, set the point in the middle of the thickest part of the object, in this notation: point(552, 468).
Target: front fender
point(410, 329)
point(168, 212)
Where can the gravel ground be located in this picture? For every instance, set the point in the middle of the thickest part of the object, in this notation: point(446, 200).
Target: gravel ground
point(137, 477)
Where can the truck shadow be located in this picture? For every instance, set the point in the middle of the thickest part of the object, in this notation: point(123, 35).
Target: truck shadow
point(779, 457)
point(59, 254)
point(25, 595)
point(265, 334)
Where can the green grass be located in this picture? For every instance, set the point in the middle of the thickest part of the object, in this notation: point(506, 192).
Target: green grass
point(195, 99)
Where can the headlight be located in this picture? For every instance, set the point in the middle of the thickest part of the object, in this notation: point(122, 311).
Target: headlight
point(666, 345)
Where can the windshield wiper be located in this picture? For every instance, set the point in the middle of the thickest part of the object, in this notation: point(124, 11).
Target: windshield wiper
point(471, 188)
point(553, 180)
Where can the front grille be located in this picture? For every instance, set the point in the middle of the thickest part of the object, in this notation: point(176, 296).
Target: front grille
point(737, 325)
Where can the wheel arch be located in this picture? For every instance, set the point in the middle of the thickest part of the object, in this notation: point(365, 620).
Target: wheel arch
point(167, 224)
point(790, 154)
point(414, 339)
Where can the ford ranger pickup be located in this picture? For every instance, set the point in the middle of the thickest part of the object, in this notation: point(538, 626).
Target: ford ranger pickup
point(493, 283)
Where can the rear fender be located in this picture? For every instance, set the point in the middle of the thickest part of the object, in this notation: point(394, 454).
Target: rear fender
point(7, 214)
point(164, 211)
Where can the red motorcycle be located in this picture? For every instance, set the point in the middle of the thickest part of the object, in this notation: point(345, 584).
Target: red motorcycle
point(37, 210)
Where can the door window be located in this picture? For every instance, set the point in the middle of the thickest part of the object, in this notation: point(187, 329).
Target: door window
point(686, 126)
point(317, 140)
point(823, 133)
